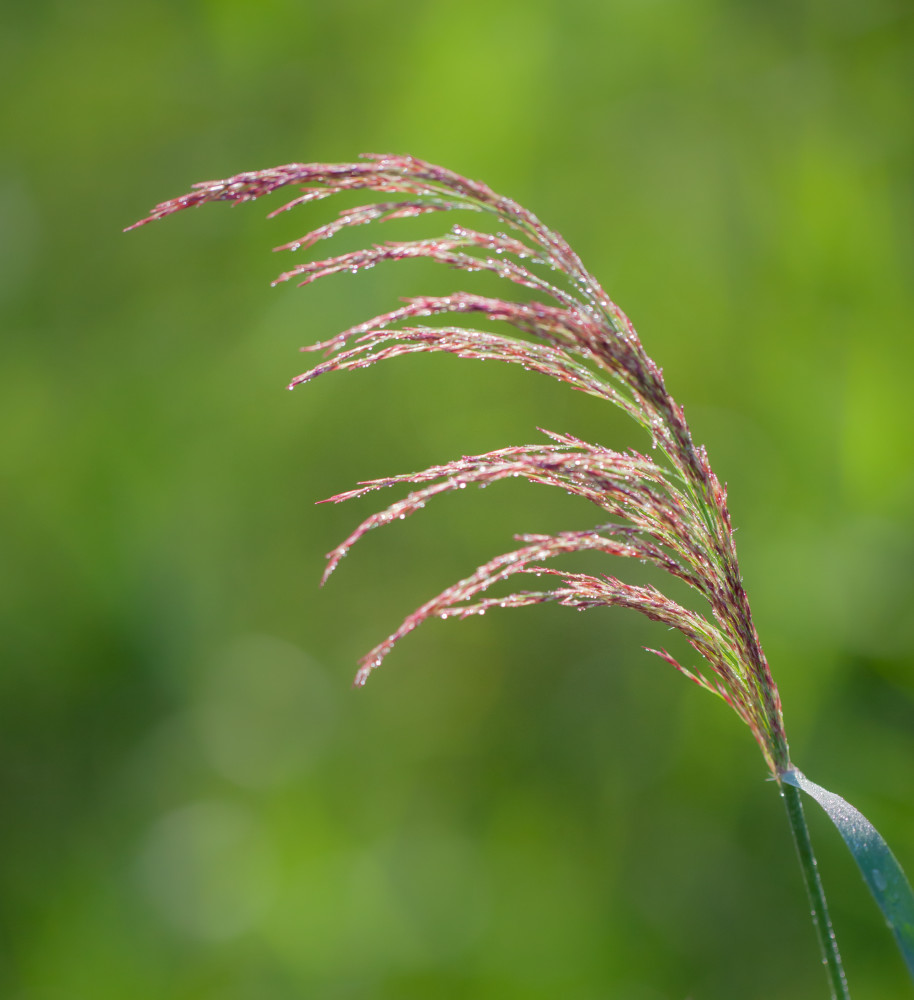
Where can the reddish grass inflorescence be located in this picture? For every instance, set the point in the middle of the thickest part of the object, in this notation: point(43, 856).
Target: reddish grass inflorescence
point(670, 512)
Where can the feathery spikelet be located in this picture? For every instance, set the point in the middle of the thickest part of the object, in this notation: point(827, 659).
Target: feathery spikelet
point(671, 512)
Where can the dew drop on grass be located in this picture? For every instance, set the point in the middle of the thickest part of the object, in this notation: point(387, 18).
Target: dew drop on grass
point(879, 880)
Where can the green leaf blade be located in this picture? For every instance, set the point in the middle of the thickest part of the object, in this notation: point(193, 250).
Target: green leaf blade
point(879, 867)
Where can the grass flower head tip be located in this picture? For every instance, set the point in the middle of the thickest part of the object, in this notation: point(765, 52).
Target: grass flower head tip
point(668, 509)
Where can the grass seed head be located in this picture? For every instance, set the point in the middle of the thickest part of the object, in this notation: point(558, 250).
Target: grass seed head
point(669, 510)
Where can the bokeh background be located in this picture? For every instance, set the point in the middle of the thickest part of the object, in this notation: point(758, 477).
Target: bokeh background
point(195, 804)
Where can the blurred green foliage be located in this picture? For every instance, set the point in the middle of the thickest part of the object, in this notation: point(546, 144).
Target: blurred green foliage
point(523, 806)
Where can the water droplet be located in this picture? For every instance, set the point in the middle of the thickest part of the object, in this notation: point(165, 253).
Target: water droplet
point(879, 880)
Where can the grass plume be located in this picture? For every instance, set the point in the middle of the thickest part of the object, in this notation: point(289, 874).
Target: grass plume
point(670, 511)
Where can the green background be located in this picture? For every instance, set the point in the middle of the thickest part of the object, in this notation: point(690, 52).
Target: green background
point(194, 802)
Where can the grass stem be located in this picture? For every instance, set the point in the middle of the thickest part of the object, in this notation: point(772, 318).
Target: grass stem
point(831, 957)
